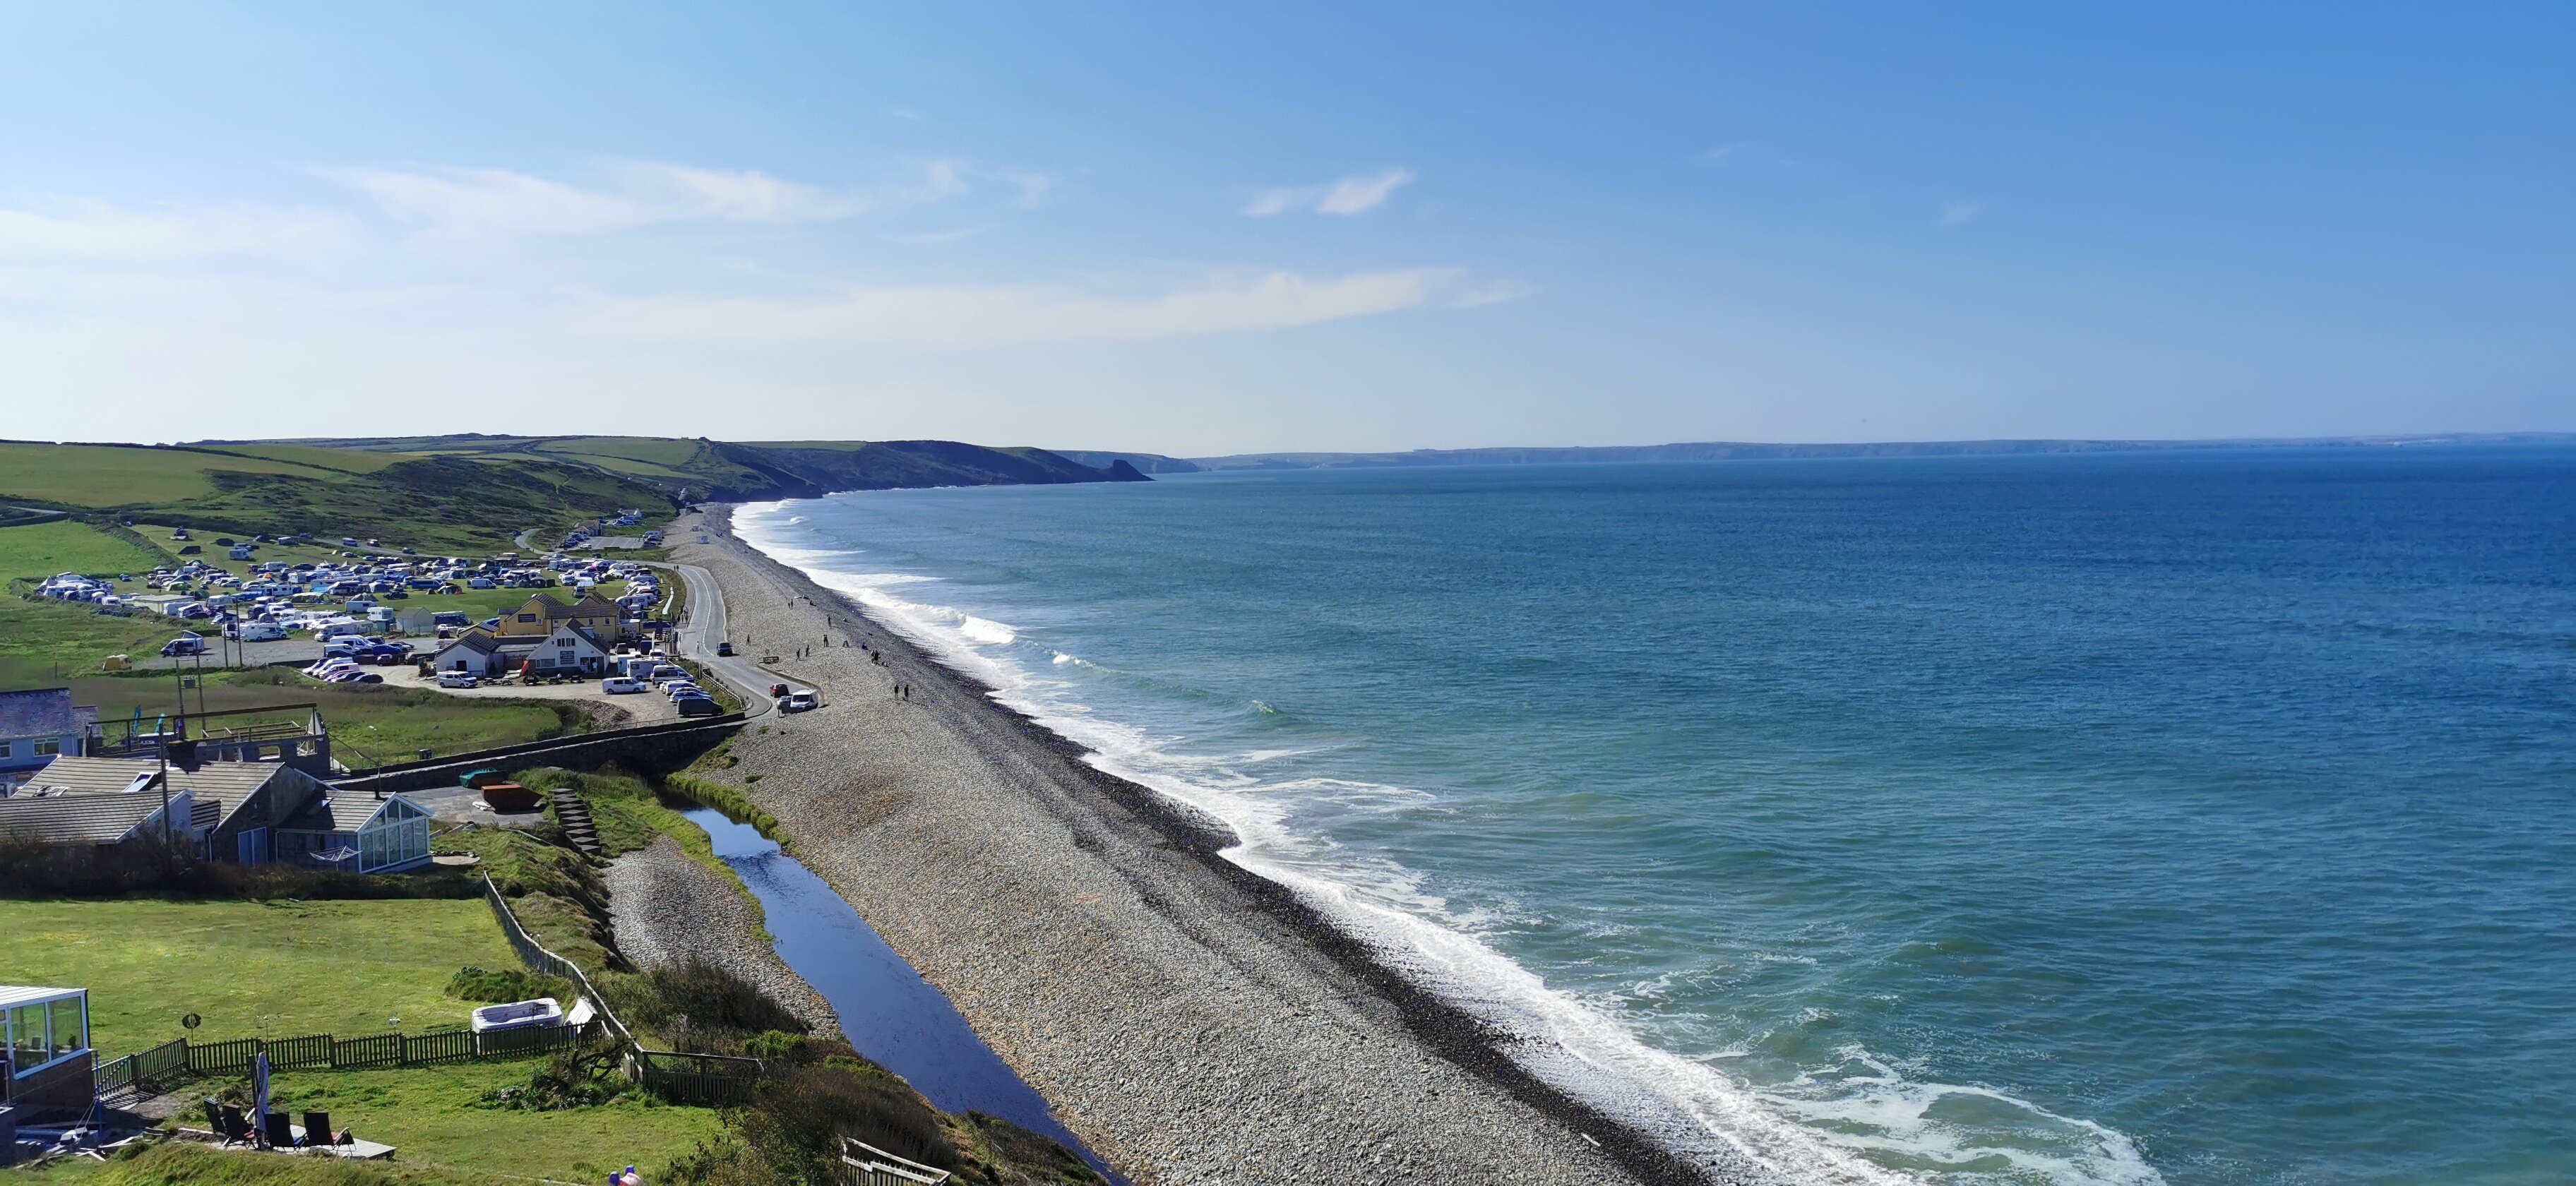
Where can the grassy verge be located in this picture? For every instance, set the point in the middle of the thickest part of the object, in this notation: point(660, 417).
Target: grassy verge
point(275, 969)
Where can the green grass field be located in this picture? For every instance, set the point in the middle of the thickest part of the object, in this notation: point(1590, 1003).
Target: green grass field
point(40, 550)
point(354, 461)
point(120, 475)
point(251, 969)
point(37, 638)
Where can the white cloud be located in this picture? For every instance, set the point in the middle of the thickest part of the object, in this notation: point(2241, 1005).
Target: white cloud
point(494, 203)
point(934, 318)
point(1959, 211)
point(83, 229)
point(1355, 194)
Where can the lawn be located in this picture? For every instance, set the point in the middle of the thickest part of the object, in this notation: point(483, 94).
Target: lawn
point(432, 1115)
point(43, 549)
point(123, 475)
point(252, 969)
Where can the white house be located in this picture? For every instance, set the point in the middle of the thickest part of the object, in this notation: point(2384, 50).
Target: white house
point(38, 725)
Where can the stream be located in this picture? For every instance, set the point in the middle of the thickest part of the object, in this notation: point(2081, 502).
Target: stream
point(890, 1013)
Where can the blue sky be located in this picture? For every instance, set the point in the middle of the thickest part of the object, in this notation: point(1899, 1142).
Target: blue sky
point(1216, 228)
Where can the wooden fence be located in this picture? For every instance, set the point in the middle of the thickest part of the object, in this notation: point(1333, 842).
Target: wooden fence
point(708, 1080)
point(148, 1071)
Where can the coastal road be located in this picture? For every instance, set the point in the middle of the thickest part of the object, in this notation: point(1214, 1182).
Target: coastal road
point(703, 626)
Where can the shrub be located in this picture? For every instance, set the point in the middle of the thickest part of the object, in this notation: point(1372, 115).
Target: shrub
point(702, 997)
point(506, 985)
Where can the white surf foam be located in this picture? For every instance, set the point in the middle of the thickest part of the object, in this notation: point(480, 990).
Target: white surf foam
point(1808, 1131)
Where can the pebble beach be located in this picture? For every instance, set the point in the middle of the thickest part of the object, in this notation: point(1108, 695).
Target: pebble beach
point(1190, 1021)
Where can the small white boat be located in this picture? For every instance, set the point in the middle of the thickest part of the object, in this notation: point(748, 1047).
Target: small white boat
point(518, 1015)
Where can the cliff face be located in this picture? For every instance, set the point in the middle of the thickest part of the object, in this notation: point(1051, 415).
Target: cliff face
point(803, 470)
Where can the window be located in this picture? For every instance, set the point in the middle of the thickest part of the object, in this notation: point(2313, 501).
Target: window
point(49, 748)
point(27, 1036)
point(8, 748)
point(527, 617)
point(69, 1032)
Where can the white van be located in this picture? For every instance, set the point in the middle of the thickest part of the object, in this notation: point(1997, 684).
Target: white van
point(257, 631)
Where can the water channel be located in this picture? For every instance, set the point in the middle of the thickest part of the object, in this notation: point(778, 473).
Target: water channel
point(890, 1013)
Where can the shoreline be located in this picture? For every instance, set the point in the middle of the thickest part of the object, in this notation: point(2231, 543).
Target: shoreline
point(1271, 910)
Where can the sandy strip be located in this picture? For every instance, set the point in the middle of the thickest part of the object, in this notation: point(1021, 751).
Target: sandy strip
point(1192, 1022)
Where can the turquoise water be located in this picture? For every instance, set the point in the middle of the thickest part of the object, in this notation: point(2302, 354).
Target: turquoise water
point(2196, 818)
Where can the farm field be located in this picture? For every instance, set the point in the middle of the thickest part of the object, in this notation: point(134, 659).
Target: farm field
point(125, 475)
point(40, 550)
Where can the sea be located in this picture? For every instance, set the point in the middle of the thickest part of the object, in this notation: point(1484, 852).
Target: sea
point(2182, 817)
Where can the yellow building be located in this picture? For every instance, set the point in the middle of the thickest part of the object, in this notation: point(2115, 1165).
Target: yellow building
point(542, 614)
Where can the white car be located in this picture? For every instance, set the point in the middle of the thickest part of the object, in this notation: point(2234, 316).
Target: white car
point(459, 679)
point(620, 685)
point(799, 702)
point(680, 687)
point(335, 663)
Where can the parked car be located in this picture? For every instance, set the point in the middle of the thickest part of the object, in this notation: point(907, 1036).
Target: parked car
point(185, 644)
point(679, 688)
point(698, 706)
point(724, 648)
point(256, 631)
point(777, 690)
point(618, 685)
point(458, 679)
point(799, 702)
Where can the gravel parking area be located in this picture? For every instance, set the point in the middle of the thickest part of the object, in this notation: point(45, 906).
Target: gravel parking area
point(616, 711)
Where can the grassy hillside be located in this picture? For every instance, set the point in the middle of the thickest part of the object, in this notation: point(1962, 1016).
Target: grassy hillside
point(471, 492)
point(41, 550)
point(727, 470)
point(435, 501)
point(124, 475)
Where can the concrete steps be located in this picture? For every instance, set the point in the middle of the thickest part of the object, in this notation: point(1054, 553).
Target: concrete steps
point(574, 816)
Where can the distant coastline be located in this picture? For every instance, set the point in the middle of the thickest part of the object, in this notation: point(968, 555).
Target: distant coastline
point(1154, 463)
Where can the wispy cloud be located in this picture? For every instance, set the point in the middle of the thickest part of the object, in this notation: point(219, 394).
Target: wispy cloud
point(1356, 194)
point(84, 229)
point(952, 317)
point(497, 203)
point(1959, 212)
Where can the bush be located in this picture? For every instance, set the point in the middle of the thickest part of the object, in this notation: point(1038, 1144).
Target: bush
point(570, 1079)
point(507, 985)
point(791, 1133)
point(704, 997)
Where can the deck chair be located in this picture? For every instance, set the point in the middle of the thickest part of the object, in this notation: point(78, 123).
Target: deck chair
point(234, 1126)
point(280, 1134)
point(317, 1129)
point(215, 1121)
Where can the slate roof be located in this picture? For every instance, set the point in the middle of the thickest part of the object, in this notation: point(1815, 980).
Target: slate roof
point(77, 819)
point(41, 712)
point(97, 779)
